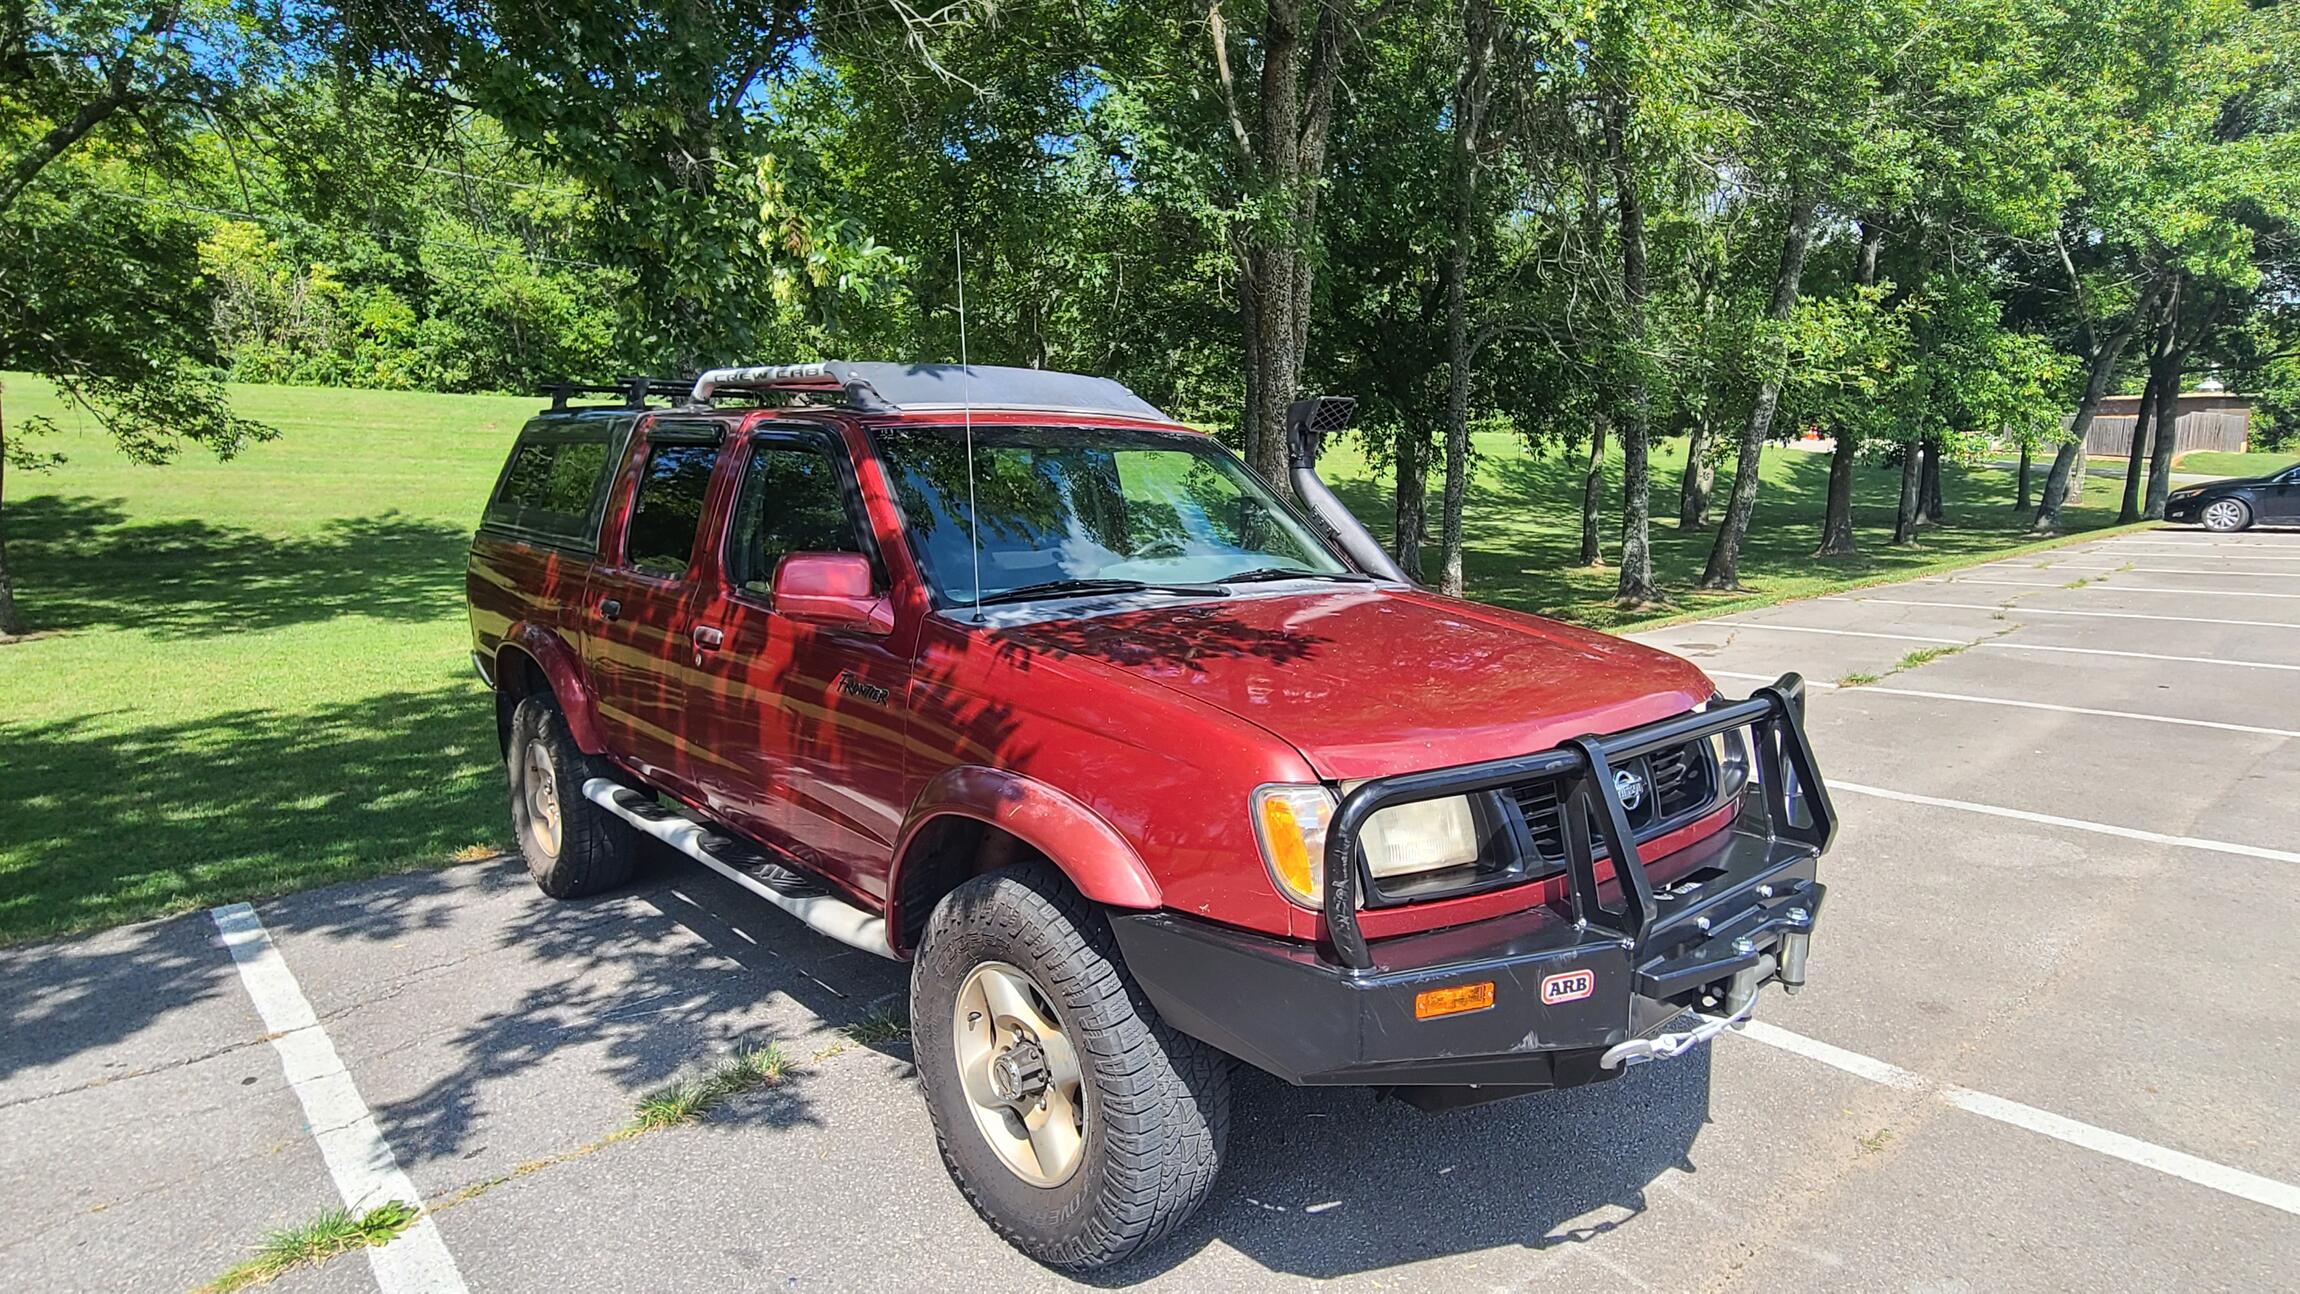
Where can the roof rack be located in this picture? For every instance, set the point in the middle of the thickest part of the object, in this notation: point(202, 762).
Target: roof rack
point(632, 389)
point(934, 388)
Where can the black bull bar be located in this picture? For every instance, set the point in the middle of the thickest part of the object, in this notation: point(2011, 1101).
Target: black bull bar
point(1592, 809)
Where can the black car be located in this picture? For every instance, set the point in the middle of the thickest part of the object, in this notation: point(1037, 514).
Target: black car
point(2236, 504)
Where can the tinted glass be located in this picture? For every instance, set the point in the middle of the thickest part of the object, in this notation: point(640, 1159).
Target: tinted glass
point(1088, 503)
point(792, 502)
point(670, 508)
point(549, 488)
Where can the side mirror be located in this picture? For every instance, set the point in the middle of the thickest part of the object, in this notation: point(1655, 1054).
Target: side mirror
point(832, 590)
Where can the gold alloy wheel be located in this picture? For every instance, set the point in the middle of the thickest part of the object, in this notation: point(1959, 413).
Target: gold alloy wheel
point(1020, 1074)
point(542, 791)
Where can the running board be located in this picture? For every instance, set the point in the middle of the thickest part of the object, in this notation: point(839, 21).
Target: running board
point(823, 913)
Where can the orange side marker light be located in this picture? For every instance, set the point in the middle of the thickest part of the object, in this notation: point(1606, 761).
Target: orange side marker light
point(1453, 1001)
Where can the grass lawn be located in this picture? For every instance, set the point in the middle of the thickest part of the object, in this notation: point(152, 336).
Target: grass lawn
point(2209, 462)
point(250, 678)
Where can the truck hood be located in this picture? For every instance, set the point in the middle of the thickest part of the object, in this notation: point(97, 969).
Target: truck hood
point(1366, 682)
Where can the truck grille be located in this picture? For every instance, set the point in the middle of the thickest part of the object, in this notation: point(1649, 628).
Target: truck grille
point(1679, 784)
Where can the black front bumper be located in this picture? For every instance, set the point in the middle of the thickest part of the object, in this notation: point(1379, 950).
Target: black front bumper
point(1737, 916)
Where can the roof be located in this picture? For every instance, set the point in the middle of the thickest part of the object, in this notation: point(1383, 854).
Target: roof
point(877, 387)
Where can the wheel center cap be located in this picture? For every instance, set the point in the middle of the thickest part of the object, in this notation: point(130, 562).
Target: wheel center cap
point(1019, 1072)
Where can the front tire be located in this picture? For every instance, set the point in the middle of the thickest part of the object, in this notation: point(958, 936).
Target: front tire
point(1076, 1122)
point(573, 847)
point(2226, 515)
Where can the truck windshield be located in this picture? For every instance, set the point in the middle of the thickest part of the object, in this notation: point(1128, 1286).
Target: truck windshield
point(1060, 504)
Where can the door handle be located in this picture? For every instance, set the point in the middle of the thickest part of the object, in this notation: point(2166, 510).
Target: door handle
point(611, 609)
point(707, 638)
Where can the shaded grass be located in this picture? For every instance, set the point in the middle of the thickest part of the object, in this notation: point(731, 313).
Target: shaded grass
point(330, 1235)
point(252, 677)
point(1522, 531)
point(878, 1026)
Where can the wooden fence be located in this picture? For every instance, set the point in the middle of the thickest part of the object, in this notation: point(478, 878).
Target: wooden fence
point(2219, 429)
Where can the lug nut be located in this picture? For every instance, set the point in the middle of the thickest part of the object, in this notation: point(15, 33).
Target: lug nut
point(1799, 916)
point(1744, 946)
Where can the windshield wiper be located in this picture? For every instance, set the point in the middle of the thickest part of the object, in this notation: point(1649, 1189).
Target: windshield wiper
point(1060, 588)
point(1294, 573)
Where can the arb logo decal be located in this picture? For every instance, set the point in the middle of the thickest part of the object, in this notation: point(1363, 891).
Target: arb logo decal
point(1572, 986)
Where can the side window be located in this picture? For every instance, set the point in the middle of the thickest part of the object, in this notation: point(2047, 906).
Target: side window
point(669, 509)
point(792, 502)
point(550, 488)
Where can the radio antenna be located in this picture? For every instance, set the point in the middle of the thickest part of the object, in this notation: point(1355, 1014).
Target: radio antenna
point(966, 406)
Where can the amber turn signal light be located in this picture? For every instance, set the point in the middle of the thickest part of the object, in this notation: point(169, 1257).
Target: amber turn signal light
point(1453, 1001)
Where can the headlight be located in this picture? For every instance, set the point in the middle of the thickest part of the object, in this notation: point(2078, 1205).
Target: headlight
point(1425, 836)
point(1290, 824)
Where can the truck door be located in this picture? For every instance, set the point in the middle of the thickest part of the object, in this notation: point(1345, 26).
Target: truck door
point(805, 749)
point(640, 641)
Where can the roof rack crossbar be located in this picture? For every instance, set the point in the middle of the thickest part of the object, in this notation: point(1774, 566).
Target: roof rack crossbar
point(633, 389)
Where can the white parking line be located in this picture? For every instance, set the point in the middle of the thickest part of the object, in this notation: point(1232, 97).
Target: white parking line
point(1839, 633)
point(1885, 690)
point(1995, 644)
point(2169, 549)
point(2073, 824)
point(2118, 588)
point(2026, 609)
point(365, 1171)
point(2178, 570)
point(1882, 689)
point(2281, 1196)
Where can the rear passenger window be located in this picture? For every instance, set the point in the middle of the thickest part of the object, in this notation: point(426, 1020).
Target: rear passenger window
point(792, 503)
point(669, 509)
point(550, 490)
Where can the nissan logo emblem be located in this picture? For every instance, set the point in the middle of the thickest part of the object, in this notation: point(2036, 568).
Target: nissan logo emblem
point(1629, 788)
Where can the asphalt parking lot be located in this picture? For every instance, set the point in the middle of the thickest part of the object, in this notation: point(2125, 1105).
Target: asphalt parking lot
point(2049, 1042)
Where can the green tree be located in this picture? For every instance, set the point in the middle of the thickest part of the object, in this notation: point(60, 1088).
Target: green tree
point(99, 282)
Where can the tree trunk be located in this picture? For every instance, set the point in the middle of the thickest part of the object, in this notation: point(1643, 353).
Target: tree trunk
point(1911, 510)
point(1929, 489)
point(1412, 501)
point(1837, 516)
point(1636, 587)
point(2167, 436)
point(2068, 462)
point(1593, 494)
point(2143, 418)
point(2168, 414)
point(1722, 571)
point(11, 620)
point(2021, 500)
point(1471, 95)
point(1283, 154)
point(1700, 474)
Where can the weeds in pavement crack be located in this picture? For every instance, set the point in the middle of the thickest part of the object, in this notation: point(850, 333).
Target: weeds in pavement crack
point(331, 1234)
point(881, 1024)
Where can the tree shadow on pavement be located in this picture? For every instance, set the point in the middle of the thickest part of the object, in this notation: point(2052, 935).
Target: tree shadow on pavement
point(1332, 1182)
point(614, 987)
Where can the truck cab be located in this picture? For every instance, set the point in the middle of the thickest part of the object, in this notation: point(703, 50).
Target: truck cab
point(1146, 768)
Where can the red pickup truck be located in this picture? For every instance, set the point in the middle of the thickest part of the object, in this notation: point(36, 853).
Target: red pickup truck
point(1145, 768)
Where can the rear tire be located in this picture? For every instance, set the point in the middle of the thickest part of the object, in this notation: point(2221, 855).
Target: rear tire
point(573, 847)
point(2227, 515)
point(1142, 1110)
